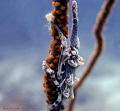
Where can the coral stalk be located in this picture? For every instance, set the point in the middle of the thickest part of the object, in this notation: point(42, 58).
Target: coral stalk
point(60, 17)
point(99, 46)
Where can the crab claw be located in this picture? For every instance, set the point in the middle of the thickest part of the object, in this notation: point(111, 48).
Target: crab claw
point(82, 60)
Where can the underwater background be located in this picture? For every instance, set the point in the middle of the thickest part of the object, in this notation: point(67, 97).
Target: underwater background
point(24, 44)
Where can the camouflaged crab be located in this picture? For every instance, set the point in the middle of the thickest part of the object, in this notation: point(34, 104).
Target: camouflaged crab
point(69, 61)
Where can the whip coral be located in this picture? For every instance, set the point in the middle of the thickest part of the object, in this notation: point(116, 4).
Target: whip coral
point(60, 17)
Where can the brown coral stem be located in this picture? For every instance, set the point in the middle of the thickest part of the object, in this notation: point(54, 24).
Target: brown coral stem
point(99, 45)
point(61, 19)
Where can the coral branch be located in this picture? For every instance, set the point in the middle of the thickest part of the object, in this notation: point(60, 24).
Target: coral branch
point(60, 17)
point(99, 45)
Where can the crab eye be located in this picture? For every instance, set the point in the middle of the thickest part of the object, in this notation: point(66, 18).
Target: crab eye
point(73, 52)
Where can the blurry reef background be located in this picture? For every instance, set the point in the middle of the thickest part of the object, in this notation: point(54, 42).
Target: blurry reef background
point(24, 43)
